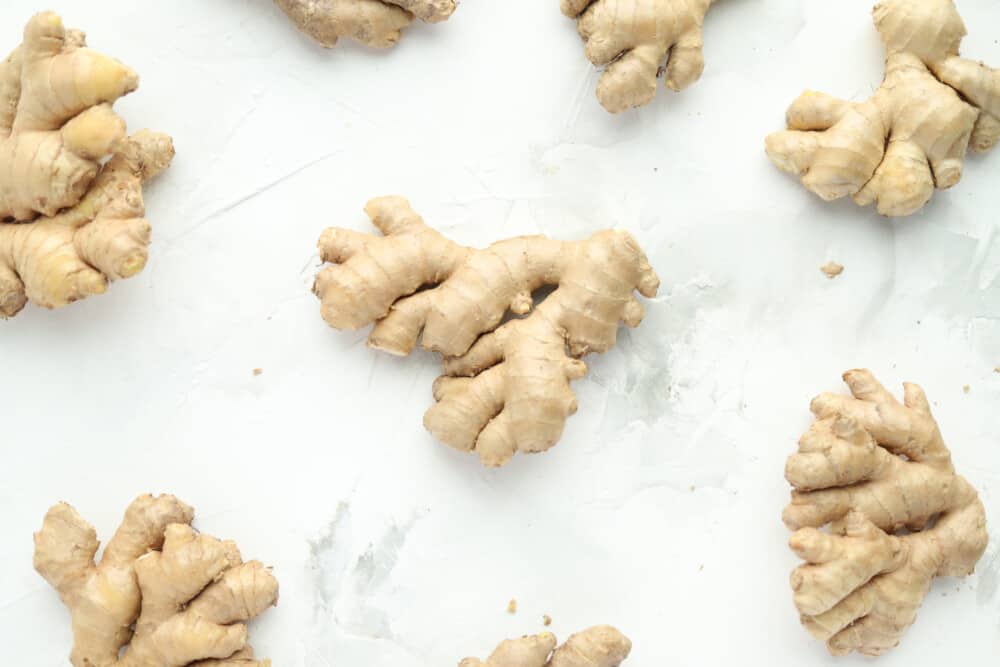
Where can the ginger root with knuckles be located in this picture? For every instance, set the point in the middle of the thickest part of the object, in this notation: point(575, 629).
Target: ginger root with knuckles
point(909, 138)
point(878, 472)
point(377, 23)
point(506, 386)
point(632, 38)
point(175, 597)
point(56, 128)
point(600, 646)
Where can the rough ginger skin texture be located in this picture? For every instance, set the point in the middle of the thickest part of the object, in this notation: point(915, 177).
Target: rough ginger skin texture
point(631, 39)
point(377, 23)
point(188, 595)
point(872, 467)
point(505, 387)
point(56, 125)
point(909, 138)
point(600, 646)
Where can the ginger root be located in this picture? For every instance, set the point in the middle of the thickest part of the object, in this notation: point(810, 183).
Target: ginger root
point(175, 597)
point(377, 23)
point(632, 38)
point(505, 386)
point(910, 137)
point(600, 646)
point(56, 129)
point(879, 473)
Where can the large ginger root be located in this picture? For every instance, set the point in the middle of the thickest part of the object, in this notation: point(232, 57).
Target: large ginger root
point(914, 133)
point(600, 646)
point(56, 128)
point(377, 23)
point(879, 472)
point(175, 597)
point(506, 386)
point(632, 38)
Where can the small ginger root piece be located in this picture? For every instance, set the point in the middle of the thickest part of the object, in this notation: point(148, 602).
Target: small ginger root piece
point(832, 269)
point(56, 130)
point(878, 472)
point(376, 23)
point(600, 646)
point(909, 138)
point(632, 38)
point(188, 596)
point(506, 387)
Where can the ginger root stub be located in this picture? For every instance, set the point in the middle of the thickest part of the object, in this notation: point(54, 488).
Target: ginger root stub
point(877, 472)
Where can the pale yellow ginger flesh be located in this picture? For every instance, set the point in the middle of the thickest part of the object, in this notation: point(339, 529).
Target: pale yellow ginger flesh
point(56, 128)
point(169, 595)
point(878, 473)
point(506, 387)
point(632, 39)
point(376, 23)
point(910, 137)
point(600, 646)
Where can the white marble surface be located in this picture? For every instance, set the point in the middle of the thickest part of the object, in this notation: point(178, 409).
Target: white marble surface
point(659, 511)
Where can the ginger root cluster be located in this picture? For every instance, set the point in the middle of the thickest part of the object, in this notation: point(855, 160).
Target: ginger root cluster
point(71, 206)
point(506, 386)
point(877, 472)
point(599, 646)
point(632, 39)
point(376, 23)
point(909, 138)
point(168, 595)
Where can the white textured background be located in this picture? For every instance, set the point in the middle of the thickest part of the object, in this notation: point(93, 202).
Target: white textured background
point(659, 511)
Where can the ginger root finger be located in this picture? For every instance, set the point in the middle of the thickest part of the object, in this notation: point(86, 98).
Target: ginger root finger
point(877, 472)
point(506, 386)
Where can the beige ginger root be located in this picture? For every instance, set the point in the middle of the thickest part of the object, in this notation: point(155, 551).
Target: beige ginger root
point(600, 646)
point(632, 38)
point(173, 596)
point(506, 387)
point(56, 127)
point(377, 23)
point(909, 138)
point(878, 472)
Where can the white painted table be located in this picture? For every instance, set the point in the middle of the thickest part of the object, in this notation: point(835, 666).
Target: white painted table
point(659, 512)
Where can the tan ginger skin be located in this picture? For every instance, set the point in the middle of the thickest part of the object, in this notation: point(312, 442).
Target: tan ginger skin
point(631, 39)
point(600, 646)
point(505, 388)
point(188, 595)
point(871, 467)
point(376, 23)
point(909, 138)
point(56, 127)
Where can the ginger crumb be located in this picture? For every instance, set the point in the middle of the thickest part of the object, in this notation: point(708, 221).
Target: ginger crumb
point(832, 269)
point(997, 369)
point(546, 620)
point(966, 389)
point(257, 371)
point(512, 606)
